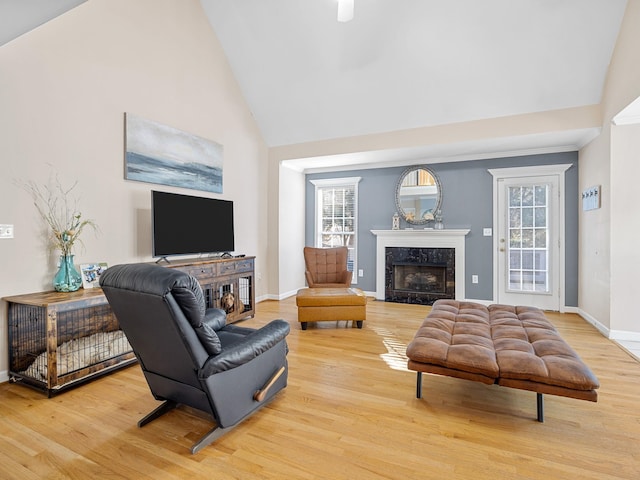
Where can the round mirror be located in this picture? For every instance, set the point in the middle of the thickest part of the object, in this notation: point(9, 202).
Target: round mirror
point(418, 195)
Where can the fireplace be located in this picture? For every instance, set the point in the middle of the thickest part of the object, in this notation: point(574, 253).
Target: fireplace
point(419, 275)
point(445, 265)
point(419, 278)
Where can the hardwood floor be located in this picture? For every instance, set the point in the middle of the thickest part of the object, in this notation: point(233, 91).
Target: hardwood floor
point(349, 412)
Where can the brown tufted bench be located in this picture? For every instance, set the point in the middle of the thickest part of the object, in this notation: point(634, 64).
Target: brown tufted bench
point(514, 347)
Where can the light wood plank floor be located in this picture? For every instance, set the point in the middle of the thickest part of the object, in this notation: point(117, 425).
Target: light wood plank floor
point(349, 412)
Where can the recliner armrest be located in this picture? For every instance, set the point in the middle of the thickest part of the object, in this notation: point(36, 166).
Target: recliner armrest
point(246, 350)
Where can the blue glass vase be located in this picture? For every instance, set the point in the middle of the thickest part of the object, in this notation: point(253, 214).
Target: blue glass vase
point(67, 279)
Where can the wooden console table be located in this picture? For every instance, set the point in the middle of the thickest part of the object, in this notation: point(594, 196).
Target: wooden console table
point(224, 280)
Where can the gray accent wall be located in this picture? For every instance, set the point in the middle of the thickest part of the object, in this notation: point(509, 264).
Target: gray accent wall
point(467, 202)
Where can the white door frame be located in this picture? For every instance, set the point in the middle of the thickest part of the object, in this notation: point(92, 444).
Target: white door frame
point(535, 171)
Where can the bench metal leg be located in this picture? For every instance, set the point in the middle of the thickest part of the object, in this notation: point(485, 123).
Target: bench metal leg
point(539, 397)
point(540, 407)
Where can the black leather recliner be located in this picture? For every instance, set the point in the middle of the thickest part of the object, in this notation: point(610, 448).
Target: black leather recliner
point(188, 354)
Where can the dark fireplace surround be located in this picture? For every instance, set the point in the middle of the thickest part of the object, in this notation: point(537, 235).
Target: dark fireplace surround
point(419, 275)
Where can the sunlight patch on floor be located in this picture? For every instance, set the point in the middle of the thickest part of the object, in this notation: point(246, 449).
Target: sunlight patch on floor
point(396, 356)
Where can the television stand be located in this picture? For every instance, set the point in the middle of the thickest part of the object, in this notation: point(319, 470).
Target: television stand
point(227, 283)
point(163, 258)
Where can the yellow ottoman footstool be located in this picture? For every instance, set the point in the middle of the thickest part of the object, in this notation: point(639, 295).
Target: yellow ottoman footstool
point(331, 304)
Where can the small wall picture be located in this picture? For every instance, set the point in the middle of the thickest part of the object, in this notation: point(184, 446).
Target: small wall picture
point(91, 273)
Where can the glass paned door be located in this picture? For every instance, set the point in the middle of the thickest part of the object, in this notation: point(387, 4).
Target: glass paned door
point(528, 246)
point(528, 242)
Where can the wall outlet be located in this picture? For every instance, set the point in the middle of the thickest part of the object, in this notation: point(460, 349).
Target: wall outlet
point(474, 278)
point(487, 232)
point(6, 231)
point(360, 272)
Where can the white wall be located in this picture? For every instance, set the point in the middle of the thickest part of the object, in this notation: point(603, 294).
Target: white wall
point(594, 232)
point(64, 88)
point(291, 232)
point(611, 161)
point(625, 231)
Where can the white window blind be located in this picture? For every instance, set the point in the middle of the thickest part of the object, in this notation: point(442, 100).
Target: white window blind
point(336, 219)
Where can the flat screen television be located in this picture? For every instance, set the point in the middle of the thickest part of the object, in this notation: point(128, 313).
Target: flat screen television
point(185, 224)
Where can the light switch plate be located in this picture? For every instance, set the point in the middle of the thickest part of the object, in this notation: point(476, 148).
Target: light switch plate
point(487, 232)
point(6, 231)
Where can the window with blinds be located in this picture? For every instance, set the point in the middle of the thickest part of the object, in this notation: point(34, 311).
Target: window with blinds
point(336, 216)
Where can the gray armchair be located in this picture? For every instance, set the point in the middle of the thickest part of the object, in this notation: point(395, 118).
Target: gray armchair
point(188, 354)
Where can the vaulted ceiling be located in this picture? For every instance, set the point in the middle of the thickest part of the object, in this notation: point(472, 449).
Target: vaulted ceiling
point(400, 64)
point(19, 16)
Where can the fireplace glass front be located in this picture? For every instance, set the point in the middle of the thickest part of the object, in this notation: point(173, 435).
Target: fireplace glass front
point(420, 278)
point(419, 275)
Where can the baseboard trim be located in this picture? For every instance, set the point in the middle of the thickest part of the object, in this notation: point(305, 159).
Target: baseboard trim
point(280, 296)
point(290, 293)
point(623, 335)
point(4, 376)
point(603, 329)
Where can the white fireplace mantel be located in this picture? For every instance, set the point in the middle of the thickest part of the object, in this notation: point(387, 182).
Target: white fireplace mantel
point(423, 238)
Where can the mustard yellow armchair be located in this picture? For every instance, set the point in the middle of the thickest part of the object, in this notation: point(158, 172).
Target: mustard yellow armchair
point(327, 267)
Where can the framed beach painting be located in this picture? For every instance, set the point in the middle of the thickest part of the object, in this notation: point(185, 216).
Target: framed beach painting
point(156, 153)
point(91, 274)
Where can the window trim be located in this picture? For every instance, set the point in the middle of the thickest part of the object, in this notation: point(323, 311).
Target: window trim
point(317, 223)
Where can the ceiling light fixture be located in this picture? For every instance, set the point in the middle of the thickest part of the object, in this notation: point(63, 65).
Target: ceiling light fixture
point(345, 10)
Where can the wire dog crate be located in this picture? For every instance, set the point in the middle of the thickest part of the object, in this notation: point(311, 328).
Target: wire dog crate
point(57, 340)
point(227, 283)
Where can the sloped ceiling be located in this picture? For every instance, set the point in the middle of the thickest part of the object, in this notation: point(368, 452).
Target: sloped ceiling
point(415, 63)
point(20, 16)
point(400, 64)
